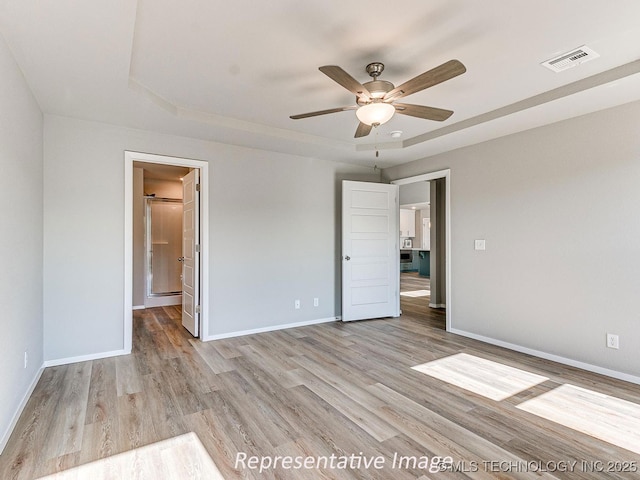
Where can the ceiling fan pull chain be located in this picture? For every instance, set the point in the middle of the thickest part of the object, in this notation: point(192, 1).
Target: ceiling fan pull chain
point(375, 145)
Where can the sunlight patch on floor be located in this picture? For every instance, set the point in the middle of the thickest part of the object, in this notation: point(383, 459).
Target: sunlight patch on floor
point(608, 418)
point(478, 375)
point(416, 293)
point(182, 457)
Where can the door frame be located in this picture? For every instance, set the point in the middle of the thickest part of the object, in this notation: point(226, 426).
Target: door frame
point(203, 166)
point(446, 174)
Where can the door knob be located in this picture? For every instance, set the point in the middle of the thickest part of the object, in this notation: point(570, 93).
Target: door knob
point(181, 259)
point(347, 258)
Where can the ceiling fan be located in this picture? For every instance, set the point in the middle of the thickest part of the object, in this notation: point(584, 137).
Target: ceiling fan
point(376, 99)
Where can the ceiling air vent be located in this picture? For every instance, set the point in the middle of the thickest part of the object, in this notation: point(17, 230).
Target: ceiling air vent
point(570, 59)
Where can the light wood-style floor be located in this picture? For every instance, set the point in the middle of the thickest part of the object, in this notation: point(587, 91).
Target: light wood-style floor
point(418, 307)
point(335, 388)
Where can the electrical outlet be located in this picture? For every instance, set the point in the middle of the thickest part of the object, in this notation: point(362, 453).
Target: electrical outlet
point(26, 359)
point(613, 341)
point(316, 302)
point(480, 245)
point(297, 304)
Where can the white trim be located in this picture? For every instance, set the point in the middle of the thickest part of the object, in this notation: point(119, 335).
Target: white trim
point(138, 307)
point(84, 358)
point(270, 329)
point(446, 174)
point(163, 301)
point(437, 305)
point(129, 158)
point(23, 403)
point(550, 356)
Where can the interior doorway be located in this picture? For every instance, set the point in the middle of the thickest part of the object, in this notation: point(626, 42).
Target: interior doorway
point(163, 194)
point(429, 283)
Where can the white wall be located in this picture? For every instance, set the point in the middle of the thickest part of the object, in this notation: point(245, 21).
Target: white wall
point(558, 207)
point(273, 234)
point(21, 240)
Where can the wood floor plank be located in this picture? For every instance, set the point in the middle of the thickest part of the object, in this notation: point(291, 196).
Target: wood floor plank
point(70, 412)
point(160, 400)
point(255, 413)
point(136, 425)
point(128, 379)
point(100, 440)
point(191, 395)
point(102, 396)
point(101, 430)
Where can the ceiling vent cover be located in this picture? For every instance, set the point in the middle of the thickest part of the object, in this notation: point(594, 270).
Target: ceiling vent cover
point(570, 59)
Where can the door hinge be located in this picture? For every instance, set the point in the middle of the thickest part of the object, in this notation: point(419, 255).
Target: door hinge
point(197, 248)
point(197, 187)
point(197, 308)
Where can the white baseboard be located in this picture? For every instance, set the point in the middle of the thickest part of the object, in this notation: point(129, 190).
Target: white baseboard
point(84, 358)
point(438, 305)
point(270, 329)
point(23, 403)
point(549, 356)
point(138, 307)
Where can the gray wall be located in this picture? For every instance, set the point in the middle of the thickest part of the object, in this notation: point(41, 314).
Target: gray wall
point(558, 207)
point(414, 193)
point(273, 234)
point(21, 239)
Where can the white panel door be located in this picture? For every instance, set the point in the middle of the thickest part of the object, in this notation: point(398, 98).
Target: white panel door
point(370, 251)
point(190, 253)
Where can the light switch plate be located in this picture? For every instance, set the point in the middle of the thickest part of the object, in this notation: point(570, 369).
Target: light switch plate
point(480, 245)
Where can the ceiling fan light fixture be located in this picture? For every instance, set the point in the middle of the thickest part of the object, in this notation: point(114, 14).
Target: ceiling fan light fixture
point(375, 113)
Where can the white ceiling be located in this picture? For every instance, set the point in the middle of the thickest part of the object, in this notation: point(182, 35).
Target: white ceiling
point(234, 71)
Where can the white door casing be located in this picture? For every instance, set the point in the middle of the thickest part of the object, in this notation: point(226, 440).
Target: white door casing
point(190, 254)
point(370, 251)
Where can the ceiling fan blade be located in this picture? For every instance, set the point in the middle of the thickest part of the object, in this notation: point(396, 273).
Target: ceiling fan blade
point(323, 112)
point(437, 75)
point(420, 111)
point(338, 75)
point(363, 130)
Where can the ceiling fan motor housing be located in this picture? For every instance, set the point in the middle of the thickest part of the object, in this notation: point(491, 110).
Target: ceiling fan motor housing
point(377, 89)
